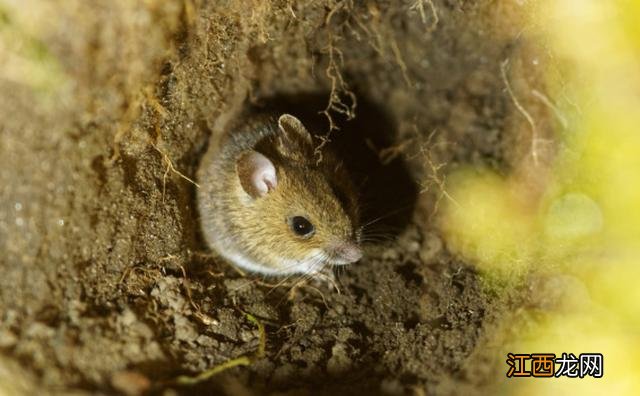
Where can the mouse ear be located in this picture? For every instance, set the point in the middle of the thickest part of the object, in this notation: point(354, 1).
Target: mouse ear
point(256, 173)
point(293, 130)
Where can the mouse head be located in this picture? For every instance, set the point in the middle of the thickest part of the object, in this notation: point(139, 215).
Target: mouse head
point(302, 216)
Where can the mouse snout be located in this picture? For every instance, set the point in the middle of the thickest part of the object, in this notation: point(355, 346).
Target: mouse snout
point(347, 252)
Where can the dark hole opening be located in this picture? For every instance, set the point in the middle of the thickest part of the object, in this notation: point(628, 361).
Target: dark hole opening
point(388, 193)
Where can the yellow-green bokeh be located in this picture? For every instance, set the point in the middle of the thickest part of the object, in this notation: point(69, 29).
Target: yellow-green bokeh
point(24, 58)
point(587, 221)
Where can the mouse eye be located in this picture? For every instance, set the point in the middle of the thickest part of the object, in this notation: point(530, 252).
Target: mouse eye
point(301, 226)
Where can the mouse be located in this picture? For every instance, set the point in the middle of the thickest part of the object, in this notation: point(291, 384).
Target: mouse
point(269, 205)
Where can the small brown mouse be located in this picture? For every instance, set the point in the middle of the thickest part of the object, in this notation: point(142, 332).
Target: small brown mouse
point(268, 206)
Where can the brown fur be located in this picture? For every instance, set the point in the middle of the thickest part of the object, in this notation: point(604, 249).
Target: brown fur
point(258, 227)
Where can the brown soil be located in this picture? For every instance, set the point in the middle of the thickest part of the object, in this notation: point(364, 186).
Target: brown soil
point(106, 283)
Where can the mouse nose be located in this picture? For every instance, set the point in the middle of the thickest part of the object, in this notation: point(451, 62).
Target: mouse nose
point(349, 252)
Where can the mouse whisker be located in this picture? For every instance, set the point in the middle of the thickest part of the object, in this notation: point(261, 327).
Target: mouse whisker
point(377, 234)
point(378, 239)
point(385, 232)
point(283, 281)
point(248, 283)
point(386, 215)
point(316, 258)
point(280, 283)
point(304, 277)
point(381, 228)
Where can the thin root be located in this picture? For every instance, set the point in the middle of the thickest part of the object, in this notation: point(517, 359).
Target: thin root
point(339, 89)
point(419, 6)
point(523, 111)
point(403, 66)
point(435, 177)
point(170, 168)
point(544, 99)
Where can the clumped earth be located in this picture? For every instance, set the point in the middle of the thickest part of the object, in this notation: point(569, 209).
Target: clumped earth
point(106, 283)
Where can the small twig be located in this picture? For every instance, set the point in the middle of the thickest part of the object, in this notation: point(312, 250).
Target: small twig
point(262, 346)
point(240, 361)
point(205, 375)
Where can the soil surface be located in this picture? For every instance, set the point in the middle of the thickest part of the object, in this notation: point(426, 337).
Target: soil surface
point(106, 283)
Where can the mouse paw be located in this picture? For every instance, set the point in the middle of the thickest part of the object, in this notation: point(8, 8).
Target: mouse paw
point(325, 278)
